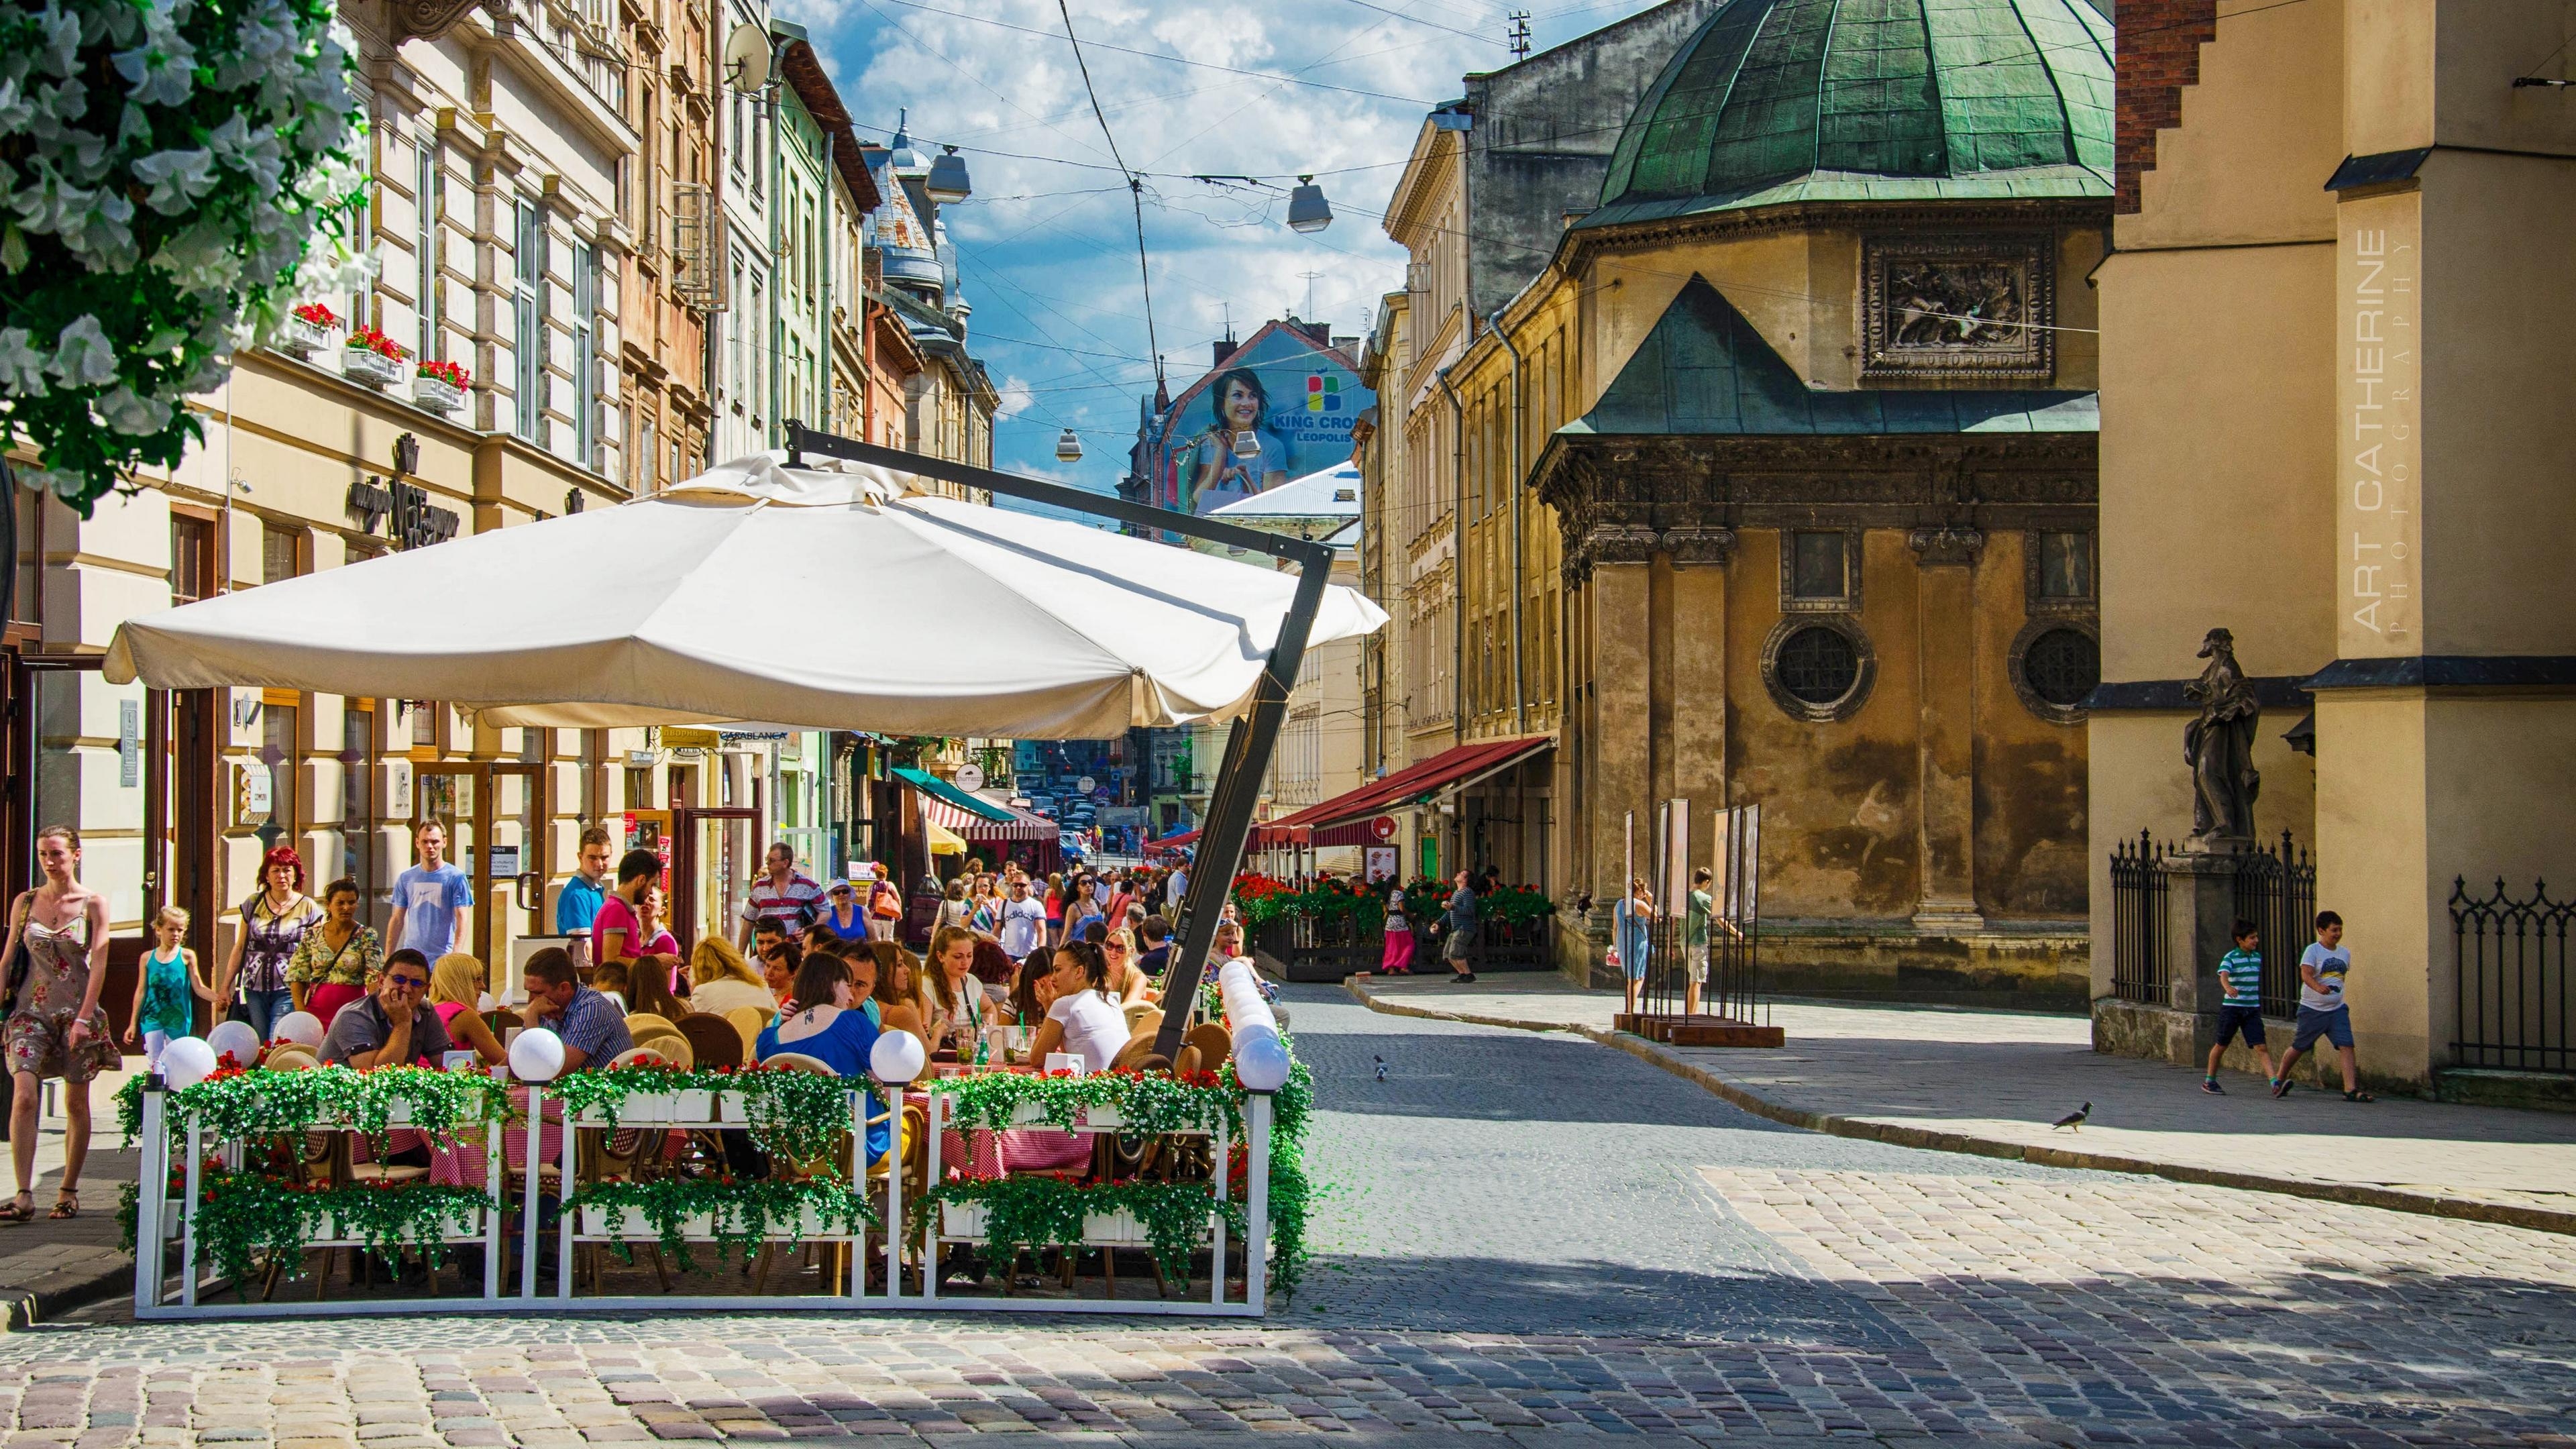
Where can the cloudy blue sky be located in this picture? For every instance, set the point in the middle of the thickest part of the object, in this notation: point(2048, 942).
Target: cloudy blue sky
point(1048, 244)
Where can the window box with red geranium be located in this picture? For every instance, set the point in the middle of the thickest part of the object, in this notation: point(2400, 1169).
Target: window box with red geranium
point(308, 330)
point(372, 358)
point(439, 386)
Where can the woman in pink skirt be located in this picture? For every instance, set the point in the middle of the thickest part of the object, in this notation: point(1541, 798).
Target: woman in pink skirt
point(1398, 960)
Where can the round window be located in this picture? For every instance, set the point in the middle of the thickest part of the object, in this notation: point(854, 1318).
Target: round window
point(2063, 666)
point(1818, 665)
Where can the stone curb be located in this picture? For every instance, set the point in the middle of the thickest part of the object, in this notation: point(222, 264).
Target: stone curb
point(25, 1309)
point(2433, 1204)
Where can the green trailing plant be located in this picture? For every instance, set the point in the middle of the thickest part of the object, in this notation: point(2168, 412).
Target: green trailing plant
point(1037, 1211)
point(241, 1215)
point(1147, 1102)
point(741, 1214)
point(795, 1116)
point(232, 1104)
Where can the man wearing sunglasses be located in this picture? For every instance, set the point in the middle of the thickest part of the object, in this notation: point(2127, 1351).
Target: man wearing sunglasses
point(394, 1025)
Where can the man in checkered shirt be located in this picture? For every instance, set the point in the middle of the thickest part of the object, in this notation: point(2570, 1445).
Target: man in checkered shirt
point(785, 895)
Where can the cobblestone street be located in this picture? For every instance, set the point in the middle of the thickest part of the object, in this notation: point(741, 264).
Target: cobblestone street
point(1528, 1235)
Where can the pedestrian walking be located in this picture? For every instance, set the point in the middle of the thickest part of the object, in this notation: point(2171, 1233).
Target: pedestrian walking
point(885, 906)
point(1397, 958)
point(1632, 930)
point(339, 959)
point(430, 900)
point(2322, 1012)
point(2240, 1005)
point(783, 893)
point(167, 988)
point(842, 914)
point(274, 921)
point(954, 910)
point(56, 965)
point(1022, 922)
point(1459, 947)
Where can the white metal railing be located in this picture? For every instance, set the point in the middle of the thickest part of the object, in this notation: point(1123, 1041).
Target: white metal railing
point(163, 1225)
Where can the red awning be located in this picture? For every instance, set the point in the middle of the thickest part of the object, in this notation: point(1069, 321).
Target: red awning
point(1023, 825)
point(1342, 819)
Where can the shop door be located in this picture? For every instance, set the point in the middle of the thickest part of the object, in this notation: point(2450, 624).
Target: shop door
point(713, 859)
point(494, 814)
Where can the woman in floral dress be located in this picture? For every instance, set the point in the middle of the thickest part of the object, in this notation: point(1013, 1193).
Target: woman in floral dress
point(58, 937)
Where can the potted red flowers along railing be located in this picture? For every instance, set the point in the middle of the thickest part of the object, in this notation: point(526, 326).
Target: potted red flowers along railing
point(308, 330)
point(440, 386)
point(372, 358)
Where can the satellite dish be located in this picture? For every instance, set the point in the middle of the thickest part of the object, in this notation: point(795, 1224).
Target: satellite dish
point(746, 57)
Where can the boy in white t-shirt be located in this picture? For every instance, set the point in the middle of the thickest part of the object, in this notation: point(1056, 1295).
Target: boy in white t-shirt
point(2322, 1012)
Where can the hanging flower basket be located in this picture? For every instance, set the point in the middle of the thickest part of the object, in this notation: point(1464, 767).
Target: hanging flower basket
point(308, 331)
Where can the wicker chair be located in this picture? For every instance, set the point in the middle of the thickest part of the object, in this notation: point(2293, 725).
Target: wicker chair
point(713, 1040)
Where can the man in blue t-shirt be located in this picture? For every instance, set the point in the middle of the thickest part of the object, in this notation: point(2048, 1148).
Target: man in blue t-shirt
point(587, 891)
point(430, 899)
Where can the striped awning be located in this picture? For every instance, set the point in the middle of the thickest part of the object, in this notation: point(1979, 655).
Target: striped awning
point(1023, 824)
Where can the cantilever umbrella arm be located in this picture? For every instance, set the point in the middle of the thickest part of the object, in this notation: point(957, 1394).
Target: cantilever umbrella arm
point(1249, 742)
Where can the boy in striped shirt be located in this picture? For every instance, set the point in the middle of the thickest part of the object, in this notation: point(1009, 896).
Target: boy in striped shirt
point(2240, 977)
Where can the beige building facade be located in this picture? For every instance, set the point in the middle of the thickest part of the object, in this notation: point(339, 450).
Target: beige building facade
point(2331, 408)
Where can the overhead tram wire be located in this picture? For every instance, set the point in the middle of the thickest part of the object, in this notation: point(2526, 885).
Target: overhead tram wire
point(1135, 187)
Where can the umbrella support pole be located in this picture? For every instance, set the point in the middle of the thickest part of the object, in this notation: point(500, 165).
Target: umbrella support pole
point(1249, 741)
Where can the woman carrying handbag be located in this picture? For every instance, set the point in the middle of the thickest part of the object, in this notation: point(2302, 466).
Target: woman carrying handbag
point(57, 961)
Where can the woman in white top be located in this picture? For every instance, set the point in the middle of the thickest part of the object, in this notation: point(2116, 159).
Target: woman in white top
point(1083, 1019)
point(958, 1006)
point(720, 980)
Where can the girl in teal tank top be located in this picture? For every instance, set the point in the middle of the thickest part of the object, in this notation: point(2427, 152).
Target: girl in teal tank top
point(165, 989)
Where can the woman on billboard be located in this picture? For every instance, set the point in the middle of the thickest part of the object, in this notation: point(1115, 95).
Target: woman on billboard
point(1237, 457)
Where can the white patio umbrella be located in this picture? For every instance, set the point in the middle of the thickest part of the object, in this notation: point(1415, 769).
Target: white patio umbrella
point(839, 599)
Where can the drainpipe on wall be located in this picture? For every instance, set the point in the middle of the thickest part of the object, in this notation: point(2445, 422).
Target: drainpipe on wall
point(1457, 559)
point(1520, 695)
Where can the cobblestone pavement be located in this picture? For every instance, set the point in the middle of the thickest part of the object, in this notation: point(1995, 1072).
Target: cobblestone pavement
point(2004, 1076)
point(1534, 1238)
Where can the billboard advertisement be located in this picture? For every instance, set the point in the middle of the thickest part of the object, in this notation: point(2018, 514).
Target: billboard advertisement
point(1280, 407)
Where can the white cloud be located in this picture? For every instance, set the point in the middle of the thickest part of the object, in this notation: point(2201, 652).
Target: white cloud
point(1048, 242)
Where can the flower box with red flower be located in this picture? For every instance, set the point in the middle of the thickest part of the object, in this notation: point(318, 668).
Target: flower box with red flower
point(371, 358)
point(308, 330)
point(439, 386)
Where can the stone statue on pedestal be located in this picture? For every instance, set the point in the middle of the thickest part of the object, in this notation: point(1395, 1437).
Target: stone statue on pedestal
point(2219, 748)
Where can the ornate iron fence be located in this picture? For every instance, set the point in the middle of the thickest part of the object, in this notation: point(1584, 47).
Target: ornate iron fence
point(2139, 961)
point(2276, 889)
point(2509, 958)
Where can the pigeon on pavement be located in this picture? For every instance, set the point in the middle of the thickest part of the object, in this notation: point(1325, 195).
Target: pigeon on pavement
point(2074, 1121)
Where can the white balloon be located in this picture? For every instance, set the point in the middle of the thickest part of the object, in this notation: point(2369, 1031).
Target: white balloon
point(1260, 1059)
point(897, 1057)
point(186, 1062)
point(537, 1056)
point(300, 1027)
point(235, 1039)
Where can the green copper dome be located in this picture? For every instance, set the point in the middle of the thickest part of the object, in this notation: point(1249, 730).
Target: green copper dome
point(1866, 100)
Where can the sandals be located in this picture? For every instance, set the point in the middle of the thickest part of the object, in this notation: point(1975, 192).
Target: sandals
point(2359, 1097)
point(66, 1207)
point(16, 1211)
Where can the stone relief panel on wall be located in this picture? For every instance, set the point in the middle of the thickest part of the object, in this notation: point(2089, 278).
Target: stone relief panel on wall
point(1968, 307)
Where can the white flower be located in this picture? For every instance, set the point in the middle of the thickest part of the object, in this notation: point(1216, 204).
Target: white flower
point(104, 234)
point(177, 178)
point(86, 358)
point(131, 413)
point(22, 367)
point(59, 51)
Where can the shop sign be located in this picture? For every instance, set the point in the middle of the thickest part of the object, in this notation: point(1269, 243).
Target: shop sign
point(675, 737)
point(129, 743)
point(1381, 863)
point(253, 795)
point(403, 510)
point(970, 777)
point(505, 862)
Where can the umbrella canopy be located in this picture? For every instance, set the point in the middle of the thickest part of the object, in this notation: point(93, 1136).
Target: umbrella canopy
point(845, 598)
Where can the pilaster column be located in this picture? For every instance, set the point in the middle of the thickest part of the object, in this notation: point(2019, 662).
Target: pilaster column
point(1700, 556)
point(1622, 671)
point(1945, 626)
